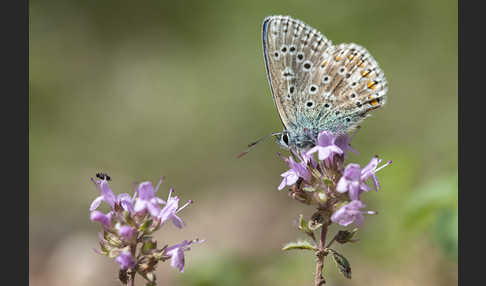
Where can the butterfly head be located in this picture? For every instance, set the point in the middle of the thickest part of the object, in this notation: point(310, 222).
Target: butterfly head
point(297, 140)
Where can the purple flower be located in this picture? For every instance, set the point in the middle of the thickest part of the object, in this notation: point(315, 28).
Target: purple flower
point(125, 260)
point(326, 146)
point(147, 199)
point(100, 217)
point(343, 142)
point(176, 253)
point(350, 213)
point(171, 209)
point(127, 232)
point(297, 170)
point(124, 200)
point(354, 179)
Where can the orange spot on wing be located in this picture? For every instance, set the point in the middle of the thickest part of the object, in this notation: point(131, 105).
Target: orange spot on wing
point(365, 73)
point(324, 63)
point(360, 62)
point(371, 84)
point(338, 58)
point(374, 102)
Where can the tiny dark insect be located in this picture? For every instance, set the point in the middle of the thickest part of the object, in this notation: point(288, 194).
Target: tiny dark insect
point(103, 176)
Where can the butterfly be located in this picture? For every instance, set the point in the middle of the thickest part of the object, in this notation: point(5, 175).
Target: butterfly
point(316, 85)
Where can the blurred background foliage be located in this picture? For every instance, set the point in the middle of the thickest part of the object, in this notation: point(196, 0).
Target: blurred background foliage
point(143, 89)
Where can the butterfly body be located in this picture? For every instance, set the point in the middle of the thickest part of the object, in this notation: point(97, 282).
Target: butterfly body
point(315, 85)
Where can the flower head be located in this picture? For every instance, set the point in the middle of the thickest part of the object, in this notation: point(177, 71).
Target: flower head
point(134, 220)
point(350, 213)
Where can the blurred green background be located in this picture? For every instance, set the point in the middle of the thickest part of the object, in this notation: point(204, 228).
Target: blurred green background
point(143, 89)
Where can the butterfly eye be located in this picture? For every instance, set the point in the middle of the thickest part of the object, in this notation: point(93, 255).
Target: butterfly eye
point(285, 139)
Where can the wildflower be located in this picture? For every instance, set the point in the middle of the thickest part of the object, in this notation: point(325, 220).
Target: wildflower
point(326, 146)
point(350, 213)
point(297, 170)
point(171, 209)
point(126, 232)
point(128, 235)
point(354, 179)
point(147, 199)
point(176, 253)
point(125, 260)
point(124, 199)
point(100, 217)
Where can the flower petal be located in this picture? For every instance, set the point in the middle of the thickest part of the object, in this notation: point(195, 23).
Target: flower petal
point(96, 203)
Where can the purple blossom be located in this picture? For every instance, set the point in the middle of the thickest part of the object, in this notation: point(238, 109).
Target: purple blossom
point(297, 170)
point(171, 209)
point(147, 201)
point(125, 260)
point(100, 217)
point(176, 253)
point(354, 178)
point(326, 146)
point(343, 142)
point(126, 231)
point(350, 213)
point(107, 195)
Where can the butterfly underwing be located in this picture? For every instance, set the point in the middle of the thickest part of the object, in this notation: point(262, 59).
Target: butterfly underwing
point(316, 85)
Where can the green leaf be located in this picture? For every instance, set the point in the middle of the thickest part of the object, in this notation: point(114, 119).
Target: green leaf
point(341, 263)
point(148, 246)
point(145, 225)
point(344, 236)
point(305, 245)
point(328, 182)
point(303, 226)
point(313, 225)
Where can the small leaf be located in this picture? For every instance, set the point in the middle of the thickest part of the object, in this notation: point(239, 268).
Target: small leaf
point(344, 236)
point(305, 245)
point(313, 225)
point(341, 263)
point(328, 182)
point(145, 225)
point(303, 226)
point(148, 246)
point(309, 189)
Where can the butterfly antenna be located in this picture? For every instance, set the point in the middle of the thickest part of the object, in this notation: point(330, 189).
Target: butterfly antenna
point(253, 144)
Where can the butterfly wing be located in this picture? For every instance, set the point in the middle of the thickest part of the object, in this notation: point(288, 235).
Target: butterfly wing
point(351, 84)
point(290, 47)
point(316, 85)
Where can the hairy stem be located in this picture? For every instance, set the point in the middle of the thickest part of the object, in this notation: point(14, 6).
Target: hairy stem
point(320, 254)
